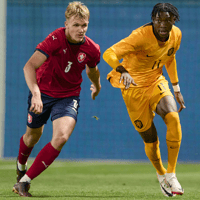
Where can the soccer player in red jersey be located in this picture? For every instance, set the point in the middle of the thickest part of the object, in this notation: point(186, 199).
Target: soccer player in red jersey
point(53, 75)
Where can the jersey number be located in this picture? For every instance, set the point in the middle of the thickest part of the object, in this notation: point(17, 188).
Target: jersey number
point(162, 88)
point(75, 103)
point(68, 66)
point(156, 63)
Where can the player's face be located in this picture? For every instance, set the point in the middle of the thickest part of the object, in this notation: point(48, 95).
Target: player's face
point(76, 28)
point(162, 24)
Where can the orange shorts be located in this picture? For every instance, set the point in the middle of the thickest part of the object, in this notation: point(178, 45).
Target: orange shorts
point(141, 102)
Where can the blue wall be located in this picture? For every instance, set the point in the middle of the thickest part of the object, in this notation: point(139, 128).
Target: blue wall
point(112, 136)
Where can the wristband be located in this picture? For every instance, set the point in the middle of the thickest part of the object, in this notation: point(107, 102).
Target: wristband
point(121, 69)
point(176, 88)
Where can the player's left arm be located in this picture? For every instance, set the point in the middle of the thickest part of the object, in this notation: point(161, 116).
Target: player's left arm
point(173, 75)
point(94, 76)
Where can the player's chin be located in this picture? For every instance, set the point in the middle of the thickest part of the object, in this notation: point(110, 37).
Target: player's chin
point(163, 34)
point(79, 39)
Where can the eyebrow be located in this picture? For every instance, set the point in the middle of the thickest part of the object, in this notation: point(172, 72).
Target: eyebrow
point(80, 23)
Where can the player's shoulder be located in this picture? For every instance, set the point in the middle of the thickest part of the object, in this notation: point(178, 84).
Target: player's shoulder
point(91, 43)
point(144, 30)
point(143, 33)
point(147, 27)
point(176, 30)
point(58, 34)
point(90, 46)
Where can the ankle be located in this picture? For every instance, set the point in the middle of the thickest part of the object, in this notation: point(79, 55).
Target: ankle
point(21, 167)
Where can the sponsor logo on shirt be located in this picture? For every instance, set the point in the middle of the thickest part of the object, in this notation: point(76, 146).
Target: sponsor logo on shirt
point(54, 38)
point(65, 50)
point(81, 57)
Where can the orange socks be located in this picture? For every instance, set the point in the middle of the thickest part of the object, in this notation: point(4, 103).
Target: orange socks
point(173, 139)
point(153, 153)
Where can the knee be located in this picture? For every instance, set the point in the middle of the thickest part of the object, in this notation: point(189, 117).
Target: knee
point(149, 136)
point(31, 138)
point(153, 146)
point(63, 138)
point(59, 140)
point(172, 118)
point(174, 132)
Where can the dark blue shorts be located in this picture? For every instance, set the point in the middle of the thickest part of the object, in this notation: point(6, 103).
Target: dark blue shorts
point(56, 107)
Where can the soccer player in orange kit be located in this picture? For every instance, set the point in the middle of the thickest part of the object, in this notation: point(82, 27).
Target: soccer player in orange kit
point(145, 90)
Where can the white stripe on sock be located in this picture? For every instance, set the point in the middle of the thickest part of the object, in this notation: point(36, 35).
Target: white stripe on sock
point(21, 167)
point(25, 178)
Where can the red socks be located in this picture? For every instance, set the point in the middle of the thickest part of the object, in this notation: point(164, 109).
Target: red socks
point(24, 152)
point(45, 157)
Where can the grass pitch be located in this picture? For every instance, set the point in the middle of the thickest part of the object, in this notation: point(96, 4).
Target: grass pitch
point(106, 180)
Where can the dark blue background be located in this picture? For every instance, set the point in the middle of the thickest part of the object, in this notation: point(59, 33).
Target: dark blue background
point(113, 135)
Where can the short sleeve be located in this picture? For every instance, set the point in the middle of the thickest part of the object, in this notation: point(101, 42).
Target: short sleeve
point(128, 45)
point(49, 45)
point(179, 41)
point(95, 59)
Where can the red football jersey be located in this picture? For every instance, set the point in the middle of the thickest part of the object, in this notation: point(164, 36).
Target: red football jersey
point(61, 74)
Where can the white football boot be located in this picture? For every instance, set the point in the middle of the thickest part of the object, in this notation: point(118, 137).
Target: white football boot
point(164, 186)
point(174, 184)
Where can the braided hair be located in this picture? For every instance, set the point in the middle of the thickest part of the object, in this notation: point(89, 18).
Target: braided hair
point(165, 7)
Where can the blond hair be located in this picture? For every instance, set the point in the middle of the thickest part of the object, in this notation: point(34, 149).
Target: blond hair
point(78, 9)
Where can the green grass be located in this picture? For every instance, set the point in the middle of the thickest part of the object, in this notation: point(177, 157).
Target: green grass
point(106, 180)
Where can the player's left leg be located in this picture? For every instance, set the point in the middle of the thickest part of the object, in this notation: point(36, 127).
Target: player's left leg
point(167, 109)
point(141, 115)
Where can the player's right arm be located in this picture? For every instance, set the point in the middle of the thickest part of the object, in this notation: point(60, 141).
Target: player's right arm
point(36, 60)
point(111, 58)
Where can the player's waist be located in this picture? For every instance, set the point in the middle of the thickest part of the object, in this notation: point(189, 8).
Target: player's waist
point(140, 80)
point(62, 93)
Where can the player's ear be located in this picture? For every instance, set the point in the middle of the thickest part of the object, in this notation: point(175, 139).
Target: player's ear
point(153, 19)
point(173, 19)
point(66, 23)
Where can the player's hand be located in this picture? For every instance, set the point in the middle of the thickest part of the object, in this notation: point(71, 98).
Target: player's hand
point(180, 100)
point(128, 80)
point(95, 91)
point(36, 105)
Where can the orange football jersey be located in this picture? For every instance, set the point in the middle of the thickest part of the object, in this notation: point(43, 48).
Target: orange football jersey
point(144, 56)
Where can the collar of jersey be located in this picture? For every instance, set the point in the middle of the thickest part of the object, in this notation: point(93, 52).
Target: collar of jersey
point(164, 43)
point(77, 43)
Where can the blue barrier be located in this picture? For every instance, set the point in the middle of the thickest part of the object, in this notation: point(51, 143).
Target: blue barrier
point(112, 136)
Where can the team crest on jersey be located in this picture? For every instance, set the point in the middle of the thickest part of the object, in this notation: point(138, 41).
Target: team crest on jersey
point(29, 118)
point(170, 51)
point(138, 123)
point(81, 57)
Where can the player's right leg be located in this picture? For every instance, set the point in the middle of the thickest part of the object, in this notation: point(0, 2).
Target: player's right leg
point(35, 125)
point(152, 149)
point(27, 142)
